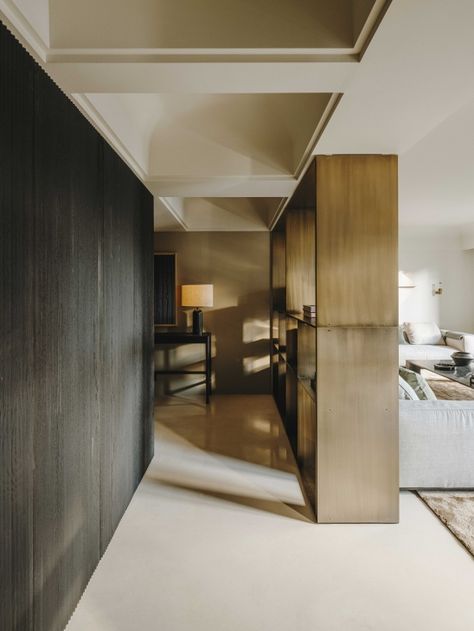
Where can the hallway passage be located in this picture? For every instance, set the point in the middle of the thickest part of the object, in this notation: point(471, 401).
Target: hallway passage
point(209, 543)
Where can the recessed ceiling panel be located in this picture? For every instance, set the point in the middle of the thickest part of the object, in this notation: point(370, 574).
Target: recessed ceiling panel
point(215, 135)
point(238, 134)
point(208, 24)
point(221, 213)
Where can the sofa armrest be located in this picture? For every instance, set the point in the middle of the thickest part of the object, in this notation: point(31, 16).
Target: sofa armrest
point(469, 343)
point(436, 444)
point(459, 340)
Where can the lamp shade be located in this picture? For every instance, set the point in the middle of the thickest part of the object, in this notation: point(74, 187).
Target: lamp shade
point(197, 295)
point(404, 281)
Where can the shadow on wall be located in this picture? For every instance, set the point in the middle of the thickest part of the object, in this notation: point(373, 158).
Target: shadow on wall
point(237, 264)
point(240, 351)
point(242, 338)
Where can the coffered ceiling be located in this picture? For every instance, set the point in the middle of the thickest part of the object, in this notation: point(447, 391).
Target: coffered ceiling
point(218, 105)
point(208, 24)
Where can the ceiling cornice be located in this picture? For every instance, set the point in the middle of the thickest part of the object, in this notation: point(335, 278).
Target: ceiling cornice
point(91, 113)
point(23, 30)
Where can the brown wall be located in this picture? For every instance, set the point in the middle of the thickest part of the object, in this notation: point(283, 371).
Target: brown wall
point(237, 264)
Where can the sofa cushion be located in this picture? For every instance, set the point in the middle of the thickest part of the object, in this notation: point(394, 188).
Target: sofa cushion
point(436, 444)
point(424, 352)
point(401, 335)
point(423, 333)
point(405, 391)
point(418, 383)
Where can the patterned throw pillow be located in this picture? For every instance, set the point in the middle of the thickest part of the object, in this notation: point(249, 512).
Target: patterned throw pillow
point(405, 391)
point(418, 383)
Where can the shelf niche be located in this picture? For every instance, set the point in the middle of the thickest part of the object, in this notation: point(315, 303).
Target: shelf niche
point(335, 376)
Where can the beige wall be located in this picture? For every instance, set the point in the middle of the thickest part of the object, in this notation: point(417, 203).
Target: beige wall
point(237, 264)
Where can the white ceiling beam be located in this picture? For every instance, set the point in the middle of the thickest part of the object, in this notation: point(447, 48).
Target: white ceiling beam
point(202, 78)
point(222, 187)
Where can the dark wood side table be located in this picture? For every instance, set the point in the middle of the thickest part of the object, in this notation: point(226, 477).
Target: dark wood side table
point(187, 337)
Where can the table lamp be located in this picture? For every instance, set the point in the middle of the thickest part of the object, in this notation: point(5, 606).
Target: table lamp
point(197, 296)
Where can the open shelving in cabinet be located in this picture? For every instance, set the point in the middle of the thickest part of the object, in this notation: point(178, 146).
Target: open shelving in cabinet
point(335, 376)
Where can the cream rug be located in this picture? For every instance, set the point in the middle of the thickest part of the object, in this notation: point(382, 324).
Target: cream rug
point(450, 390)
point(456, 510)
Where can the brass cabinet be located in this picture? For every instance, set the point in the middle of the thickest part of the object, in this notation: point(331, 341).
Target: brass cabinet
point(340, 252)
point(357, 424)
point(357, 241)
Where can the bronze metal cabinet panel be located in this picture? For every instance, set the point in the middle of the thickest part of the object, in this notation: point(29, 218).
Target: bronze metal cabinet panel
point(357, 432)
point(306, 440)
point(357, 240)
point(291, 411)
point(300, 272)
point(278, 270)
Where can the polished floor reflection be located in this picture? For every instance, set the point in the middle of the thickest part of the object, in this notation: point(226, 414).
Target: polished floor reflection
point(235, 448)
point(202, 548)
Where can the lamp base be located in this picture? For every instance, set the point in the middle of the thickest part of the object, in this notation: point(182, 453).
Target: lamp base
point(197, 322)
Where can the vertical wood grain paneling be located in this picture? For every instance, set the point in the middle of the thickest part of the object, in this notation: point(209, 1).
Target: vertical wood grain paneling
point(165, 289)
point(122, 339)
point(76, 287)
point(16, 327)
point(144, 299)
point(67, 220)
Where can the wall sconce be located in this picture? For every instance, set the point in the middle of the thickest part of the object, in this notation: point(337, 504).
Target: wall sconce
point(437, 291)
point(404, 281)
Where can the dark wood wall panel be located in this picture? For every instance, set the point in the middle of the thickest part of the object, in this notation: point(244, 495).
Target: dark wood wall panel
point(123, 345)
point(165, 289)
point(144, 299)
point(17, 325)
point(76, 288)
point(68, 228)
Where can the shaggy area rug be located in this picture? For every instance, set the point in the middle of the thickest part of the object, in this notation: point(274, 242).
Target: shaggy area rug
point(456, 510)
point(450, 390)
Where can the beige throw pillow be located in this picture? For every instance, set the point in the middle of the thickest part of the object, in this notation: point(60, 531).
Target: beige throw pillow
point(423, 333)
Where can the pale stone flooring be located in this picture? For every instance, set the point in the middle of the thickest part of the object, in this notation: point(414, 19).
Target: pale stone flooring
point(209, 543)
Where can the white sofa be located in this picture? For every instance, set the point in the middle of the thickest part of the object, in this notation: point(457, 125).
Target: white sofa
point(452, 341)
point(436, 444)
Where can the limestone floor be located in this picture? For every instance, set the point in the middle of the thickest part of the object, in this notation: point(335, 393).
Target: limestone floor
point(209, 543)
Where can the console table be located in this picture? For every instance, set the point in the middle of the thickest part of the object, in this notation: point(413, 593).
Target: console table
point(187, 337)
